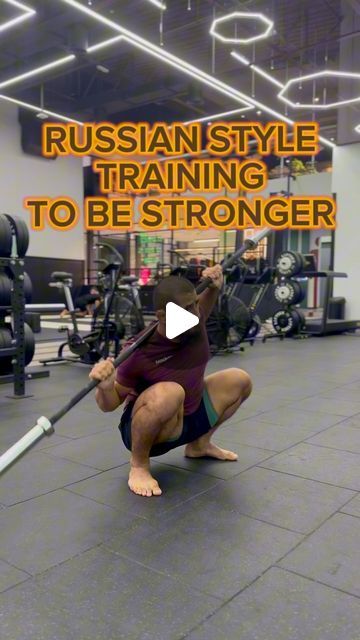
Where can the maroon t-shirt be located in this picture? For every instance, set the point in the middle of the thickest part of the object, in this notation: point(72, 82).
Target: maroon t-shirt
point(160, 359)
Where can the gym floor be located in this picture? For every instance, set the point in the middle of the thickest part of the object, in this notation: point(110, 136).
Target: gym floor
point(267, 547)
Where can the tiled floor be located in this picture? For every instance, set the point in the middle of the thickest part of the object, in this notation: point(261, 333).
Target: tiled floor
point(266, 548)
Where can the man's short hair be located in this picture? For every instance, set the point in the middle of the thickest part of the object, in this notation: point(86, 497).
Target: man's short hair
point(171, 289)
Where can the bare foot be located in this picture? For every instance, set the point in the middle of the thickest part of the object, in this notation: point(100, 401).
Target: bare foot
point(209, 450)
point(142, 483)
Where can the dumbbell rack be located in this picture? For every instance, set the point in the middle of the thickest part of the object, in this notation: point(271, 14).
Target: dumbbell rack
point(15, 266)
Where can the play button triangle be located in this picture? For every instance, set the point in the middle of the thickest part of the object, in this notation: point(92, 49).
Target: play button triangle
point(178, 320)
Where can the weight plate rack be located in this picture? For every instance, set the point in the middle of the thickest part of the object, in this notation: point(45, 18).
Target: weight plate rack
point(288, 320)
point(17, 342)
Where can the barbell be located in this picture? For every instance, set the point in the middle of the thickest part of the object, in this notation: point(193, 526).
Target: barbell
point(45, 426)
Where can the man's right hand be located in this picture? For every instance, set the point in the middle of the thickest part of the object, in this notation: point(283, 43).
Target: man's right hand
point(104, 371)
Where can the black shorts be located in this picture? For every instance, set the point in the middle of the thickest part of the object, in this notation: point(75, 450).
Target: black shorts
point(194, 425)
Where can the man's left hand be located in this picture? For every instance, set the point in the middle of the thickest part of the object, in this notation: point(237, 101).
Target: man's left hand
point(216, 275)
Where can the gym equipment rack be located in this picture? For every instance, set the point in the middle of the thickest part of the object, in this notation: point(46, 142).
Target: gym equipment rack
point(15, 267)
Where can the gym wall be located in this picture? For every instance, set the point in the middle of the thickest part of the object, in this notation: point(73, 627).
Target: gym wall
point(24, 175)
point(312, 184)
point(346, 185)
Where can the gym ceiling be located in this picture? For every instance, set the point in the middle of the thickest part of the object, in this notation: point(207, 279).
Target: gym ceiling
point(124, 81)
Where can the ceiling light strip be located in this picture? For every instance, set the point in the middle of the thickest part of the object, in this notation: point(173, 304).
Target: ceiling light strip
point(178, 63)
point(257, 69)
point(162, 54)
point(312, 76)
point(242, 14)
point(245, 61)
point(38, 70)
point(283, 87)
point(105, 43)
point(33, 107)
point(235, 94)
point(28, 13)
point(15, 21)
point(175, 62)
point(216, 116)
point(19, 5)
point(158, 4)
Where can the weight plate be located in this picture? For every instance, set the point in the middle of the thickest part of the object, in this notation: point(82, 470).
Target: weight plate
point(77, 345)
point(289, 263)
point(284, 292)
point(288, 321)
point(29, 344)
point(299, 292)
point(21, 232)
point(6, 337)
point(27, 288)
point(6, 284)
point(5, 290)
point(5, 237)
point(289, 292)
point(283, 322)
point(5, 343)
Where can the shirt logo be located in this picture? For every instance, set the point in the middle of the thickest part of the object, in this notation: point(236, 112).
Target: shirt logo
point(163, 360)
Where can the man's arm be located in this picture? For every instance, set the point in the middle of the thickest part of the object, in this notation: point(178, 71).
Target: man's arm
point(111, 398)
point(208, 298)
point(109, 394)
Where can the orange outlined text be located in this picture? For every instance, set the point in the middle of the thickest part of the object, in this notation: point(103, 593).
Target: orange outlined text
point(181, 175)
point(61, 213)
point(300, 212)
point(240, 213)
point(223, 138)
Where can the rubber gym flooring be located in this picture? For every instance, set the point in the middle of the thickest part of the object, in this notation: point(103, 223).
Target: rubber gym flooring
point(260, 549)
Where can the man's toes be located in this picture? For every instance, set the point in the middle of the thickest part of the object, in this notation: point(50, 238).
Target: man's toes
point(156, 490)
point(230, 455)
point(134, 488)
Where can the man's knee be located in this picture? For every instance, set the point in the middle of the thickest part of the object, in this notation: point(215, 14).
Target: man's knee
point(162, 400)
point(241, 382)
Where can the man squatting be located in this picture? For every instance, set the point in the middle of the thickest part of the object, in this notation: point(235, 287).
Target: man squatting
point(168, 400)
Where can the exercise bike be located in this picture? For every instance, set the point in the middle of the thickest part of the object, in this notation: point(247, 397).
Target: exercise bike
point(126, 307)
point(105, 336)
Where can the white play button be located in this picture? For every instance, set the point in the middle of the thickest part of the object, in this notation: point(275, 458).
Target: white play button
point(178, 320)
